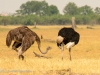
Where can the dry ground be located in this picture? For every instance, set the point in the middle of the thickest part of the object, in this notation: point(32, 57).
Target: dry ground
point(85, 55)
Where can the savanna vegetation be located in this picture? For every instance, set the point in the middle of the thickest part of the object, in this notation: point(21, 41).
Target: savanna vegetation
point(85, 55)
point(39, 12)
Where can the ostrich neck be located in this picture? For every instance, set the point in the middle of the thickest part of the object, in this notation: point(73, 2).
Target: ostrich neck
point(41, 50)
point(39, 46)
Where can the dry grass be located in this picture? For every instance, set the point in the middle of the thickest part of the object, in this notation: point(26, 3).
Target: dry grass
point(85, 55)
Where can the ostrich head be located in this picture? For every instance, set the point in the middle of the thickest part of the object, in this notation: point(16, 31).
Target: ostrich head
point(60, 41)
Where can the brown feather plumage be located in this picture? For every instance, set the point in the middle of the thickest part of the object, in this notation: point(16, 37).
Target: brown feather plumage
point(24, 37)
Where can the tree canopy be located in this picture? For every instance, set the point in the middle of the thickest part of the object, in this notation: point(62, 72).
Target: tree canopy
point(71, 9)
point(39, 8)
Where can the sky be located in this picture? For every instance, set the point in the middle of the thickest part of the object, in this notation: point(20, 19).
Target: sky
point(10, 6)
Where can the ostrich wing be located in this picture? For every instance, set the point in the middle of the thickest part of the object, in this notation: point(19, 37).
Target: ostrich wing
point(9, 37)
point(16, 34)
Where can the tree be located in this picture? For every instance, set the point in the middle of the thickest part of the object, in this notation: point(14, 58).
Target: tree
point(33, 7)
point(85, 10)
point(70, 8)
point(37, 7)
point(53, 10)
point(97, 10)
point(5, 20)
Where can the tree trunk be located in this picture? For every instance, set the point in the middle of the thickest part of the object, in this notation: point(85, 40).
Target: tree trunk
point(73, 23)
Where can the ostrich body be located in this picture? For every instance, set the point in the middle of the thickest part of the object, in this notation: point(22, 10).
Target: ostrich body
point(68, 37)
point(23, 37)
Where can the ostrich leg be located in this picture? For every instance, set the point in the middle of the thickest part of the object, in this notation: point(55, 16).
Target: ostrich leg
point(62, 51)
point(20, 52)
point(70, 53)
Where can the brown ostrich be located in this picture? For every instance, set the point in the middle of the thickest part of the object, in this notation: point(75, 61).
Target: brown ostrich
point(23, 38)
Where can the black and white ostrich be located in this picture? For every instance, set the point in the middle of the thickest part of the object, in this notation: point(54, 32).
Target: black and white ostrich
point(68, 37)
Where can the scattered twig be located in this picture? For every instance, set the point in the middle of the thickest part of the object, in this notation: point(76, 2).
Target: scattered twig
point(49, 40)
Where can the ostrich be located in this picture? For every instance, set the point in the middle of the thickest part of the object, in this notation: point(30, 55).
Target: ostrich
point(23, 38)
point(68, 37)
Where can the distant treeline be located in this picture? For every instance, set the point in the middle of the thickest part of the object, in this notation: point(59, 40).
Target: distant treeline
point(40, 13)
